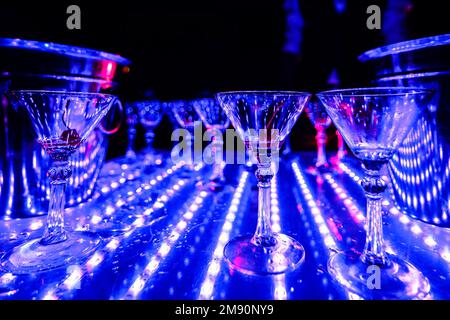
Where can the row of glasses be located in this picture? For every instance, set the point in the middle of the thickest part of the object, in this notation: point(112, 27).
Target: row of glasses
point(133, 166)
point(62, 121)
point(181, 113)
point(188, 114)
point(149, 114)
point(373, 122)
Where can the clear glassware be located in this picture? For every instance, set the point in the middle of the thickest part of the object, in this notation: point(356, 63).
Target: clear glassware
point(132, 119)
point(216, 121)
point(374, 122)
point(186, 117)
point(341, 146)
point(150, 115)
point(321, 121)
point(263, 120)
point(62, 121)
point(125, 165)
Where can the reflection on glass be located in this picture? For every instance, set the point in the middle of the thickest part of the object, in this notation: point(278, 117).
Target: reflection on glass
point(420, 174)
point(263, 119)
point(374, 122)
point(62, 121)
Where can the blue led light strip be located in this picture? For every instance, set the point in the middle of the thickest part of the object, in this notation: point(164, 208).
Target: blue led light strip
point(165, 248)
point(356, 214)
point(315, 211)
point(76, 273)
point(207, 287)
point(279, 281)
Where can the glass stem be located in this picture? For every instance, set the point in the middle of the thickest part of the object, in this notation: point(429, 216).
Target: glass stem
point(59, 173)
point(218, 164)
point(374, 187)
point(341, 146)
point(321, 139)
point(149, 154)
point(149, 137)
point(131, 137)
point(217, 172)
point(263, 235)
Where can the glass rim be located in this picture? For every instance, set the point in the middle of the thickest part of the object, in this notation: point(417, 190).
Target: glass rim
point(67, 93)
point(279, 92)
point(63, 49)
point(375, 91)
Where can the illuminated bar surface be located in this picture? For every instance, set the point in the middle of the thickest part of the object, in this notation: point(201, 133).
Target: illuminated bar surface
point(174, 249)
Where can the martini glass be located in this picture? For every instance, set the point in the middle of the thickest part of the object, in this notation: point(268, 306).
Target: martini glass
point(321, 121)
point(125, 165)
point(216, 121)
point(374, 122)
point(62, 121)
point(186, 117)
point(150, 114)
point(263, 120)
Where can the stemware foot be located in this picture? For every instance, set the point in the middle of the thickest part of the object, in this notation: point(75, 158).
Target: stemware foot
point(248, 257)
point(398, 280)
point(32, 256)
point(112, 226)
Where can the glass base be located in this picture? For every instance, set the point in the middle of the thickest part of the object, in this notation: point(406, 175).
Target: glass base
point(400, 280)
point(243, 255)
point(33, 257)
point(112, 226)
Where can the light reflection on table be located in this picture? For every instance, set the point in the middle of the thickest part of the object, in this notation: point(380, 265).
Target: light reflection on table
point(173, 248)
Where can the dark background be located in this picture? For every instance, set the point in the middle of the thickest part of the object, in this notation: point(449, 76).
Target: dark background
point(186, 49)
